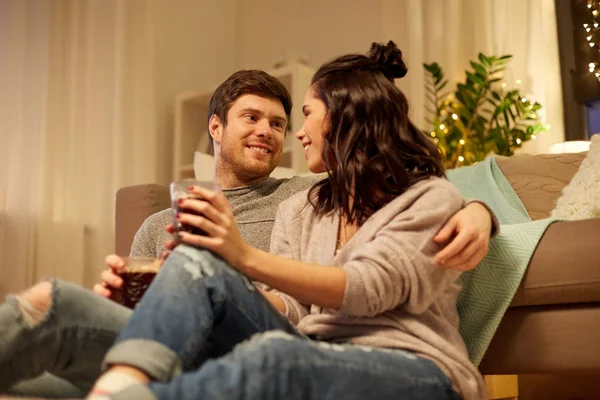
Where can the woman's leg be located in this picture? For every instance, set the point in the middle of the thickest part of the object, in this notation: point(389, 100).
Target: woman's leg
point(196, 299)
point(276, 365)
point(60, 328)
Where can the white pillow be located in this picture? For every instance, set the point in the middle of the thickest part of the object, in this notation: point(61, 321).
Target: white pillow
point(581, 197)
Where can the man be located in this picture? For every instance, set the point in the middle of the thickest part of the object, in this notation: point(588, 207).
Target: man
point(248, 116)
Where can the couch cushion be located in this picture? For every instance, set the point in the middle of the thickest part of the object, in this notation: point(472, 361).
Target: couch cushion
point(134, 205)
point(565, 267)
point(539, 180)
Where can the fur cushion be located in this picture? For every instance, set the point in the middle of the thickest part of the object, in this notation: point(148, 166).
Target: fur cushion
point(581, 197)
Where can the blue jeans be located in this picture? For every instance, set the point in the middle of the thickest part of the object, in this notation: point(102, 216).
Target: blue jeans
point(198, 299)
point(67, 346)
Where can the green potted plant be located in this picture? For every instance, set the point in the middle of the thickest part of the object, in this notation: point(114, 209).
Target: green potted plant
point(480, 117)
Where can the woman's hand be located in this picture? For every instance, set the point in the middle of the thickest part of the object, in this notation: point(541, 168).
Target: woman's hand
point(217, 220)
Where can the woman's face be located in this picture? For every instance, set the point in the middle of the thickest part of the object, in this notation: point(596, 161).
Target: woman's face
point(316, 126)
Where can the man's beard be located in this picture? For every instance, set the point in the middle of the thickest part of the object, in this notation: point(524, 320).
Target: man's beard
point(244, 168)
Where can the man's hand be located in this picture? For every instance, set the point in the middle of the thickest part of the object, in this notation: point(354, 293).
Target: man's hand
point(470, 231)
point(109, 277)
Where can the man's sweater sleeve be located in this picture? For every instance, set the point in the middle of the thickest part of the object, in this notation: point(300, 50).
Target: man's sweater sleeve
point(145, 240)
point(397, 267)
point(280, 245)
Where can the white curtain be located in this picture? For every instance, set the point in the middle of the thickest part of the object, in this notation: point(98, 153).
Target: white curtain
point(452, 32)
point(77, 121)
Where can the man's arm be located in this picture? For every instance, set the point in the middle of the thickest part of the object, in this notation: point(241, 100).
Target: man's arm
point(470, 230)
point(145, 244)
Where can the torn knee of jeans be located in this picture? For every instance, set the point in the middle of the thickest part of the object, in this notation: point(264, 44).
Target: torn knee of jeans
point(199, 266)
point(264, 338)
point(35, 303)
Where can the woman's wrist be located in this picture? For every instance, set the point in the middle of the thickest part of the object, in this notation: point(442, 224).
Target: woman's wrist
point(248, 260)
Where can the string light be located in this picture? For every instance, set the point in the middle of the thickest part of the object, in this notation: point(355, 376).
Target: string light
point(461, 141)
point(533, 137)
point(442, 126)
point(518, 141)
point(461, 158)
point(592, 29)
point(454, 117)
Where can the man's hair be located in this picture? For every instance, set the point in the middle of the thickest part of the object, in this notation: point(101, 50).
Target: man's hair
point(243, 82)
point(373, 152)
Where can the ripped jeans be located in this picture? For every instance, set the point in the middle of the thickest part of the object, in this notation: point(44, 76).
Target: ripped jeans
point(198, 302)
point(68, 343)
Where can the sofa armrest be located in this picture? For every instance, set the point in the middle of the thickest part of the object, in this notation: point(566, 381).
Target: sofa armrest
point(133, 205)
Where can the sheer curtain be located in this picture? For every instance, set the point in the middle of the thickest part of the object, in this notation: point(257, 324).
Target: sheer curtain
point(452, 32)
point(77, 121)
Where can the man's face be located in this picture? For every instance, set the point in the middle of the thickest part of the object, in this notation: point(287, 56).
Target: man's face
point(250, 145)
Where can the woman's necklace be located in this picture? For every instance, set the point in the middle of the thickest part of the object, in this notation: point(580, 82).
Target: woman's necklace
point(345, 233)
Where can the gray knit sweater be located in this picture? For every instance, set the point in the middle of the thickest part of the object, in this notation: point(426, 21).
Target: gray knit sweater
point(254, 207)
point(396, 296)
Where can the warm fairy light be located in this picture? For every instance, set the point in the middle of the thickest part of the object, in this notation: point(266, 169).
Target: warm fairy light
point(432, 134)
point(533, 137)
point(524, 100)
point(442, 126)
point(461, 141)
point(454, 117)
point(518, 81)
point(518, 141)
point(461, 158)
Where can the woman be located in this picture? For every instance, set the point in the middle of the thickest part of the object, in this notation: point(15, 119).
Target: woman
point(358, 307)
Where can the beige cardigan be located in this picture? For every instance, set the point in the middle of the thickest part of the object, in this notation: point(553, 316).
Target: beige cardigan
point(396, 296)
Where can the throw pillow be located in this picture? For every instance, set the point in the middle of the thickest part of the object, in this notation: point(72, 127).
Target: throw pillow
point(581, 197)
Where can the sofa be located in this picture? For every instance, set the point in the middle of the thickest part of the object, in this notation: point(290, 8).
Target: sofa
point(553, 323)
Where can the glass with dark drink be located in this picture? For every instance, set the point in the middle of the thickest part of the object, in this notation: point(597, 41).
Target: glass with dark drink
point(179, 190)
point(137, 274)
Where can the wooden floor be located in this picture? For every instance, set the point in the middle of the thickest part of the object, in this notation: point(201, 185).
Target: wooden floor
point(543, 387)
point(502, 387)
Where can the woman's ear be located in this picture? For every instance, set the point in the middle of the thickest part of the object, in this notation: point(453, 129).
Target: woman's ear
point(215, 128)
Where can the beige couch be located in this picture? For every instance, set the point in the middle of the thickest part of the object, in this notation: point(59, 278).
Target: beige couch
point(553, 325)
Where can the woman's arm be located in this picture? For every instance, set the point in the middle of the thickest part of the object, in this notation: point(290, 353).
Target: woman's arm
point(396, 267)
point(308, 283)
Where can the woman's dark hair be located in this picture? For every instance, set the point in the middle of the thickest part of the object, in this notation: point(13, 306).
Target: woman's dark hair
point(373, 152)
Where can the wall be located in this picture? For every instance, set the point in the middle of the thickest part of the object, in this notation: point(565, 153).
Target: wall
point(266, 29)
point(194, 49)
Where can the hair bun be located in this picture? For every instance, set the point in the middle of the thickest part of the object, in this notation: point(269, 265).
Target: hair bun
point(389, 58)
